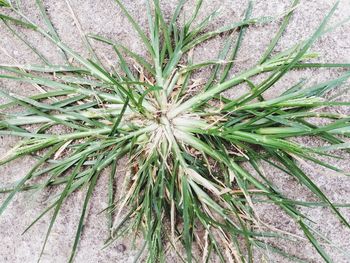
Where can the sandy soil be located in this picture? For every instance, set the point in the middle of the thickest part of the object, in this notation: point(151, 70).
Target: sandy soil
point(104, 17)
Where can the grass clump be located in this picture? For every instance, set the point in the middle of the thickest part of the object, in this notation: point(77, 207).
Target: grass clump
point(188, 151)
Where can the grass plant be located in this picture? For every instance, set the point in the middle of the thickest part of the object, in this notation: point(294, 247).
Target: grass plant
point(195, 156)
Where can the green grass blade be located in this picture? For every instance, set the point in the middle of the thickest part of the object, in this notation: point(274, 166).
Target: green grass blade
point(233, 56)
point(93, 177)
point(114, 129)
point(4, 3)
point(28, 176)
point(59, 203)
point(283, 27)
point(137, 28)
point(314, 242)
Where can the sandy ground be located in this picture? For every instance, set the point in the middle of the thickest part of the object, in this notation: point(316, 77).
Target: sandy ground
point(104, 17)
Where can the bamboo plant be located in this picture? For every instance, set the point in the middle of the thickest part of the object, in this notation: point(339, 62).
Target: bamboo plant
point(195, 156)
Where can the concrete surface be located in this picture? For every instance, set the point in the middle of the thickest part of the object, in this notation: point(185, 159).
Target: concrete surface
point(104, 17)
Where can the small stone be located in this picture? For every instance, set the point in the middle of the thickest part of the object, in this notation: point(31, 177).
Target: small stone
point(121, 248)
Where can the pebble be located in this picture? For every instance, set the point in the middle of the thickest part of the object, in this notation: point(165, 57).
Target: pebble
point(121, 248)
